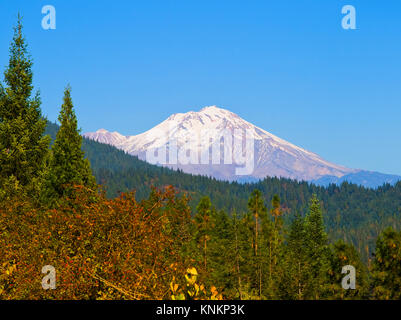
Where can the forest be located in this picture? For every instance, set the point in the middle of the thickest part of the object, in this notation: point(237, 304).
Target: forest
point(115, 227)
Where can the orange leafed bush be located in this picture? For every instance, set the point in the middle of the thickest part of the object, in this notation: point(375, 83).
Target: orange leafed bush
point(100, 248)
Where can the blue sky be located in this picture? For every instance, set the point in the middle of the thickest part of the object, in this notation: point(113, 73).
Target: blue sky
point(286, 66)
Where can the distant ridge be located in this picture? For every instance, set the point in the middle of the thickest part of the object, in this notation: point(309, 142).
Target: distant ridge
point(367, 179)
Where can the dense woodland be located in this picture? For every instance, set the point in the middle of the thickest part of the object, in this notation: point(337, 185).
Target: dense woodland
point(115, 227)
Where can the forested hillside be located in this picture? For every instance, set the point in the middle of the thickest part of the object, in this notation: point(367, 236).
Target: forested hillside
point(351, 213)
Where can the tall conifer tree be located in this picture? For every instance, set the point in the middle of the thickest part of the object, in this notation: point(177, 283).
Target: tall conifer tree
point(293, 283)
point(237, 248)
point(275, 239)
point(23, 147)
point(203, 220)
point(386, 269)
point(68, 165)
point(344, 254)
point(317, 250)
point(258, 210)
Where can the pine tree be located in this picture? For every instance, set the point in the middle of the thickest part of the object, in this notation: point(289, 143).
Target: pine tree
point(68, 166)
point(258, 210)
point(246, 264)
point(277, 236)
point(295, 263)
point(344, 254)
point(236, 246)
point(274, 235)
point(23, 146)
point(317, 251)
point(203, 220)
point(386, 269)
point(221, 253)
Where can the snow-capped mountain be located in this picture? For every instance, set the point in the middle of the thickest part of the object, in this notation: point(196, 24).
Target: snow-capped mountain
point(218, 143)
point(103, 136)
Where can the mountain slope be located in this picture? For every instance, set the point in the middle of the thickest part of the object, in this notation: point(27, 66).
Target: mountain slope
point(198, 134)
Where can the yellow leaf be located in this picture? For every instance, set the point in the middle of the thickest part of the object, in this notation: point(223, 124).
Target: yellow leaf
point(192, 271)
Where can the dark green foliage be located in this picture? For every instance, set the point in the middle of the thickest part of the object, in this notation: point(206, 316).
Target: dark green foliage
point(316, 245)
point(23, 147)
point(241, 254)
point(204, 224)
point(303, 267)
point(386, 270)
point(306, 263)
point(295, 264)
point(344, 254)
point(258, 211)
point(274, 237)
point(220, 252)
point(67, 167)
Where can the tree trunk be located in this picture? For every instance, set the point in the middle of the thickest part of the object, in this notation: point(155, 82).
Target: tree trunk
point(237, 264)
point(205, 249)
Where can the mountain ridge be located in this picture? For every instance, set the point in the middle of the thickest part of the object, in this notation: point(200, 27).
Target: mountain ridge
point(271, 156)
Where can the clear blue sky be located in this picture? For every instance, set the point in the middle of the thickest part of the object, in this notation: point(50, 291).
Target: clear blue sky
point(286, 66)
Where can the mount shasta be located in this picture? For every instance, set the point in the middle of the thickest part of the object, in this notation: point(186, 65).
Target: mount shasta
point(215, 132)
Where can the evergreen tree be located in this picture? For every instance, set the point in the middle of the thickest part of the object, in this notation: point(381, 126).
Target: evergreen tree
point(221, 253)
point(386, 269)
point(274, 234)
point(203, 221)
point(344, 254)
point(257, 208)
point(68, 165)
point(23, 147)
point(236, 247)
point(293, 283)
point(317, 251)
point(277, 215)
point(247, 264)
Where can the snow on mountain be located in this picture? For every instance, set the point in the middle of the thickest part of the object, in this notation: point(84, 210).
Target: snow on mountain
point(218, 143)
point(104, 136)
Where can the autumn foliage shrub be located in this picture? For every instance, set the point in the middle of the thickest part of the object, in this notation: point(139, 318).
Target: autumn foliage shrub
point(100, 248)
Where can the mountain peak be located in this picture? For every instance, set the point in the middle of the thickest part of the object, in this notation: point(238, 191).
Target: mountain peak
point(210, 107)
point(271, 156)
point(210, 111)
point(213, 109)
point(105, 136)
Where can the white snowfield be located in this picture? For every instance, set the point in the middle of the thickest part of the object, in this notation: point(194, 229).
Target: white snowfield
point(216, 142)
